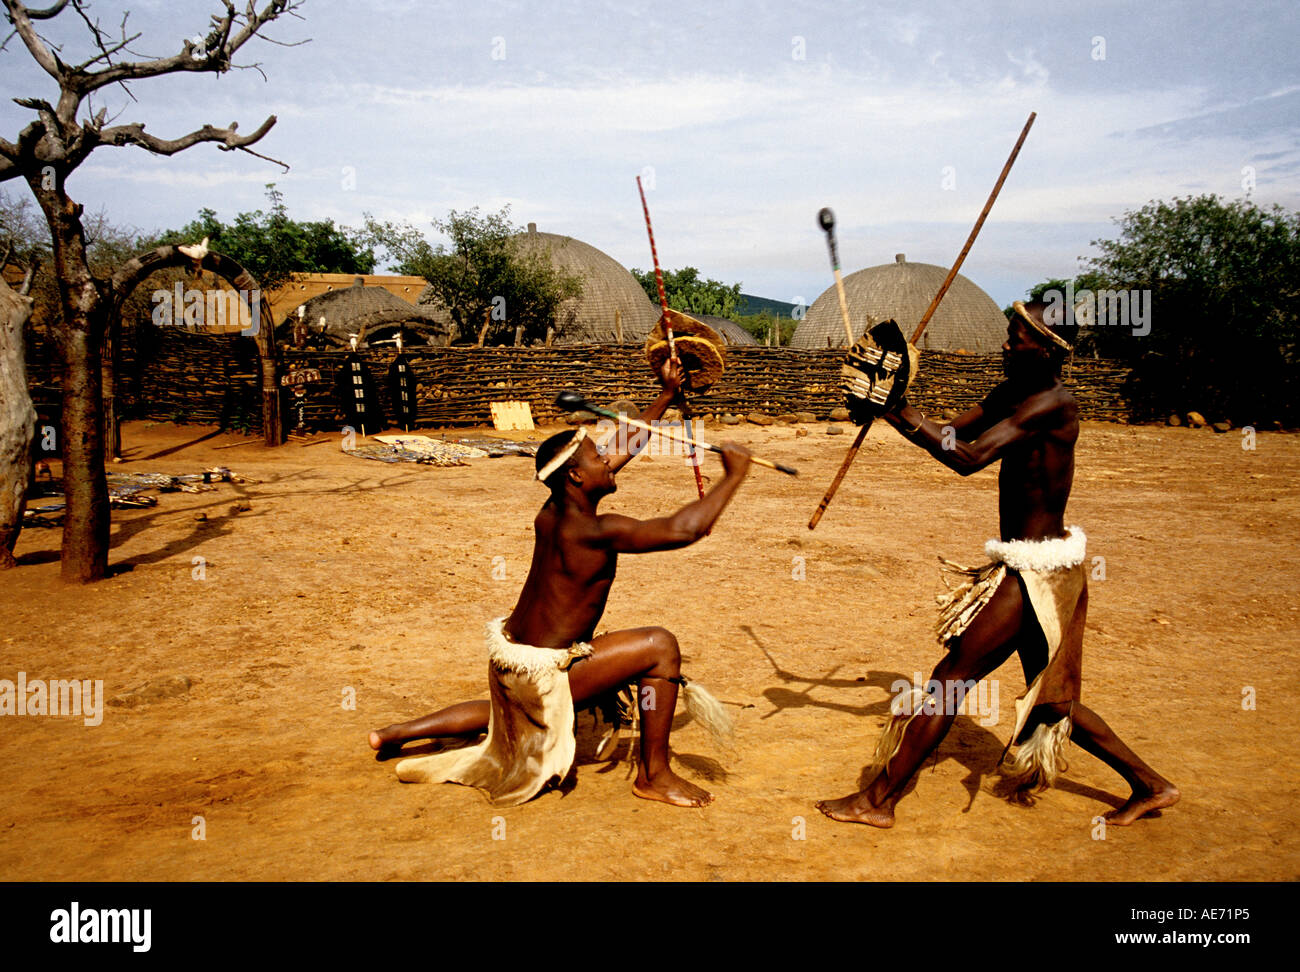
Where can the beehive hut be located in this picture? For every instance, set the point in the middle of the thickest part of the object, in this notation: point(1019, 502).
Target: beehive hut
point(374, 314)
point(967, 319)
point(607, 288)
point(728, 330)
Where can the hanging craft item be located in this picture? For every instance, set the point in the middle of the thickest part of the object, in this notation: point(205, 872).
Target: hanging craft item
point(297, 381)
point(403, 389)
point(358, 396)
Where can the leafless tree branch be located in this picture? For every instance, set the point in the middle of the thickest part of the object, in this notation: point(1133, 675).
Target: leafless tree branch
point(21, 18)
point(48, 12)
point(57, 137)
point(101, 39)
point(225, 138)
point(228, 34)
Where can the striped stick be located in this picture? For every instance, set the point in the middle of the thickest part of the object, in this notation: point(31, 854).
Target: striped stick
point(668, 326)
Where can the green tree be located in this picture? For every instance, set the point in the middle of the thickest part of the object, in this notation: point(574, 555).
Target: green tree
point(272, 246)
point(484, 275)
point(1224, 279)
point(765, 325)
point(687, 292)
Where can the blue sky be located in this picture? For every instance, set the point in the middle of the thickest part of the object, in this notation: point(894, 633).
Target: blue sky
point(750, 116)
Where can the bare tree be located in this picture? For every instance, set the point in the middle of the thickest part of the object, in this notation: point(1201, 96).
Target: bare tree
point(45, 153)
point(17, 417)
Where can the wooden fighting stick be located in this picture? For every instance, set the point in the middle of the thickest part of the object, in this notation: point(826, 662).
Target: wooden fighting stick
point(925, 319)
point(826, 219)
point(668, 326)
point(573, 402)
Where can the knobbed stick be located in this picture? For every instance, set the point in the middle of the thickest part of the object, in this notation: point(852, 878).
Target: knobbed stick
point(826, 220)
point(573, 402)
point(925, 319)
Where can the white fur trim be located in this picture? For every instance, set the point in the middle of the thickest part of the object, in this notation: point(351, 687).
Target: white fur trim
point(1042, 758)
point(1040, 555)
point(528, 659)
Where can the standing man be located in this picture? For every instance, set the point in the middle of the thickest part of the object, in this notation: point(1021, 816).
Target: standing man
point(545, 660)
point(1031, 599)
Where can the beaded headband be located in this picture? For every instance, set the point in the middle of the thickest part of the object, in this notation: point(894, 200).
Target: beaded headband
point(1039, 327)
point(563, 456)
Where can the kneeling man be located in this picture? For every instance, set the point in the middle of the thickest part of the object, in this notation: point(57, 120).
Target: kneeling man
point(544, 658)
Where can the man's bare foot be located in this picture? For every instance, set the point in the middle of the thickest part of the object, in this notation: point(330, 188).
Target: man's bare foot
point(381, 742)
point(668, 787)
point(1140, 804)
point(857, 809)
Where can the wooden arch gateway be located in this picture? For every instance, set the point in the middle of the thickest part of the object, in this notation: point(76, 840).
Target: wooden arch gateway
point(133, 272)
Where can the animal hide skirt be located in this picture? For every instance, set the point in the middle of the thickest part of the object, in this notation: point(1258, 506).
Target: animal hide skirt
point(1053, 574)
point(529, 744)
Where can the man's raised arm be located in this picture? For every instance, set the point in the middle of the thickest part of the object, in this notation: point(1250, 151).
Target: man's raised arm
point(970, 457)
point(623, 534)
point(671, 375)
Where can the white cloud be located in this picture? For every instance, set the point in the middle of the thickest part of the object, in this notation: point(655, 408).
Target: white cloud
point(746, 143)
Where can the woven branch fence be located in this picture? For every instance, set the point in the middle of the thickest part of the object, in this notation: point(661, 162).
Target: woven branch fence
point(210, 378)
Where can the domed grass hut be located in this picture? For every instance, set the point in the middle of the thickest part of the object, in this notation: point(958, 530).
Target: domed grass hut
point(728, 330)
point(967, 319)
point(372, 314)
point(611, 300)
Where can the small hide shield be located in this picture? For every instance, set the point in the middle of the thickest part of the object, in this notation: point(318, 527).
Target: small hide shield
point(876, 372)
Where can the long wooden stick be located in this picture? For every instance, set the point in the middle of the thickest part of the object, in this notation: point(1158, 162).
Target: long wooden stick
point(826, 220)
point(668, 326)
point(684, 439)
point(925, 319)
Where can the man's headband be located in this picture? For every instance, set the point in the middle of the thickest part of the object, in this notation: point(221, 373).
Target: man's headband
point(563, 456)
point(1039, 327)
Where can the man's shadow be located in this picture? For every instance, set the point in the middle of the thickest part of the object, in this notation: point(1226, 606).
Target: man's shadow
point(972, 745)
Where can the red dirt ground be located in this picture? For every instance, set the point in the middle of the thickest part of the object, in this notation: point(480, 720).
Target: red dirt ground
point(352, 574)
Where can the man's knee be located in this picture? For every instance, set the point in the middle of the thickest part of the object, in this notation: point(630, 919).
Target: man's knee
point(664, 648)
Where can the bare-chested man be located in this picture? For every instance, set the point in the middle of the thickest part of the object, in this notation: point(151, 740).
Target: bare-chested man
point(544, 657)
point(1031, 599)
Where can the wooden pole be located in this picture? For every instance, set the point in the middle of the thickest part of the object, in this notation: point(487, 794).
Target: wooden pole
point(668, 327)
point(925, 318)
point(975, 231)
point(686, 439)
point(826, 220)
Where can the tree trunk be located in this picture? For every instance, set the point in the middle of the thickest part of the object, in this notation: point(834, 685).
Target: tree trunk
point(17, 420)
point(80, 338)
point(86, 520)
point(110, 370)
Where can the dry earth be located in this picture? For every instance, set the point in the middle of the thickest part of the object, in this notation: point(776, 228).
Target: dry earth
point(346, 574)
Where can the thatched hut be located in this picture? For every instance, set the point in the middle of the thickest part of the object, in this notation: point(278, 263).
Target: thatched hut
point(373, 314)
point(967, 319)
point(609, 292)
point(728, 330)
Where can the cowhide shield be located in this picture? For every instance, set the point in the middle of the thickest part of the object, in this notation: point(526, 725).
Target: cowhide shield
point(403, 389)
point(358, 396)
point(876, 372)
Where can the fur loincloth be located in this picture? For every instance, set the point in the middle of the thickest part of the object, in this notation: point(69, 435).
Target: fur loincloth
point(529, 743)
point(1053, 575)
